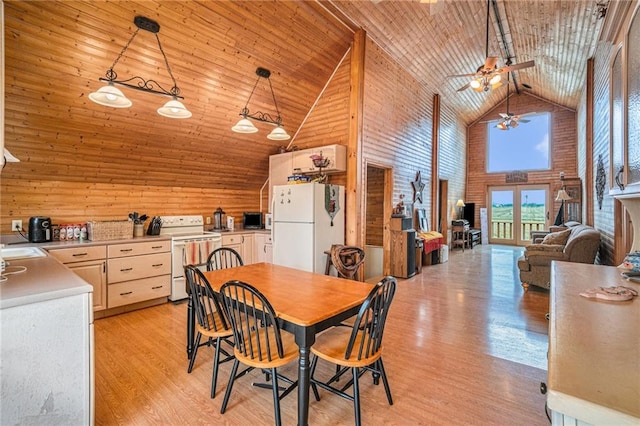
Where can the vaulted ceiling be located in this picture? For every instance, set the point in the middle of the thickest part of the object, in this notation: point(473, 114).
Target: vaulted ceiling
point(55, 51)
point(433, 41)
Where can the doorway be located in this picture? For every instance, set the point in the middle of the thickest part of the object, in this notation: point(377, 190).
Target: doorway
point(515, 211)
point(378, 198)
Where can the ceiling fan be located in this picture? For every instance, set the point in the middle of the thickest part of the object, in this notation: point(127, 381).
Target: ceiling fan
point(509, 119)
point(488, 75)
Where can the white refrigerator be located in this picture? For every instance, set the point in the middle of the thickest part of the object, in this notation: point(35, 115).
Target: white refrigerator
point(307, 219)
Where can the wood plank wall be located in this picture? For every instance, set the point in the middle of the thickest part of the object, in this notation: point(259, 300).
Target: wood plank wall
point(603, 218)
point(563, 142)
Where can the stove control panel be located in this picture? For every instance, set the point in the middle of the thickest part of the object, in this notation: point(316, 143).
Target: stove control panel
point(180, 221)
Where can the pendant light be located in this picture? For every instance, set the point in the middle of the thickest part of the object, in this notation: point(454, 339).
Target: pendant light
point(111, 96)
point(245, 125)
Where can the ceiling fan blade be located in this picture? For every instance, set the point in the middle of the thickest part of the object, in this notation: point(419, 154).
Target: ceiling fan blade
point(524, 120)
point(490, 62)
point(514, 67)
point(462, 75)
point(503, 115)
point(465, 87)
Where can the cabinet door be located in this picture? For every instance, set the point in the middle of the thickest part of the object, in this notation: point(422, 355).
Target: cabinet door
point(95, 273)
point(248, 249)
point(263, 249)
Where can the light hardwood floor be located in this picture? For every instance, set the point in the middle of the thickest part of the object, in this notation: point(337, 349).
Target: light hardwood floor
point(464, 344)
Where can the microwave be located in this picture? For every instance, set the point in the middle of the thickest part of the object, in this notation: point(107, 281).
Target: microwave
point(252, 220)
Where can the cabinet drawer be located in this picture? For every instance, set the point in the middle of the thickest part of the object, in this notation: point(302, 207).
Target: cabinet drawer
point(134, 249)
point(136, 267)
point(138, 290)
point(79, 254)
point(229, 240)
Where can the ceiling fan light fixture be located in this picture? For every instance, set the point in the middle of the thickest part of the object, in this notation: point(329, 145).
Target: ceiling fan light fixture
point(501, 126)
point(495, 79)
point(475, 84)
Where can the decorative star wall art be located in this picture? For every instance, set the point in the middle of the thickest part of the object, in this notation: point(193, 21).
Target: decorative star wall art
point(418, 186)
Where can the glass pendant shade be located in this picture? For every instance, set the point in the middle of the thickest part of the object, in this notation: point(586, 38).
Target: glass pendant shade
point(110, 96)
point(475, 84)
point(501, 126)
point(244, 126)
point(278, 134)
point(174, 109)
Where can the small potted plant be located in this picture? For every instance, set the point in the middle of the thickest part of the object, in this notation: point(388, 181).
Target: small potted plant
point(138, 223)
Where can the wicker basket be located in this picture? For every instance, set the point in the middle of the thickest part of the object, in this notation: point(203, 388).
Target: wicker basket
point(109, 230)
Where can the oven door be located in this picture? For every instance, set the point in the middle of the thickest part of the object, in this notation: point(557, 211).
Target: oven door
point(179, 282)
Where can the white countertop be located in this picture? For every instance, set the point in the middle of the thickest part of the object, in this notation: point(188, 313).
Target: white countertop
point(44, 279)
point(594, 347)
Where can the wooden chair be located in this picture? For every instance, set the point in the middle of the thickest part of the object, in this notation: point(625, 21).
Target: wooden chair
point(358, 348)
point(259, 342)
point(222, 258)
point(211, 321)
point(347, 260)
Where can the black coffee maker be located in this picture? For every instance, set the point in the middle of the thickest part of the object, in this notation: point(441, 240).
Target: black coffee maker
point(39, 229)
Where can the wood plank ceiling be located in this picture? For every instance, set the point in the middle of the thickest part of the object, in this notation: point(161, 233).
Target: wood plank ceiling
point(57, 50)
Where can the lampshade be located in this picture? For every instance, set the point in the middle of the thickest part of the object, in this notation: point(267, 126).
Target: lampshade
point(460, 203)
point(475, 84)
point(244, 126)
point(110, 95)
point(174, 109)
point(562, 195)
point(501, 125)
point(278, 134)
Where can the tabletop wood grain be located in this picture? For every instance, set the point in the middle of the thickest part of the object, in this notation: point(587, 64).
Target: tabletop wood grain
point(302, 298)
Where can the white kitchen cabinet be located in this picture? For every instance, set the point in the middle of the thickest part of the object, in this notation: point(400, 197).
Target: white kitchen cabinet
point(242, 243)
point(337, 155)
point(280, 168)
point(90, 264)
point(263, 248)
point(137, 272)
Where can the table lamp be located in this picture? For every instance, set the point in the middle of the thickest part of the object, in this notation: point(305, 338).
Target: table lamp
point(460, 205)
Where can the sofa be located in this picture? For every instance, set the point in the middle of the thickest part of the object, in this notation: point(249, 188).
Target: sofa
point(538, 236)
point(579, 243)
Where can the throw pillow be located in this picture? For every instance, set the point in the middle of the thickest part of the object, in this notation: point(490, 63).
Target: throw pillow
point(571, 223)
point(558, 238)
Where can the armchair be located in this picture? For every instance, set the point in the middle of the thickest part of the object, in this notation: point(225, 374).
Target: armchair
point(535, 266)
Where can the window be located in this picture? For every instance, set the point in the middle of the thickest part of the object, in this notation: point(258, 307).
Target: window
point(525, 147)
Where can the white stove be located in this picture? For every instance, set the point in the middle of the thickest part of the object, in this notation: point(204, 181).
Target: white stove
point(190, 244)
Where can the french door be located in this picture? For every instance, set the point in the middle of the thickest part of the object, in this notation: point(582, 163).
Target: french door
point(515, 211)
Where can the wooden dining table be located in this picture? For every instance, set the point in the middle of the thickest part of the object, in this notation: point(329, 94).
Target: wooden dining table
point(305, 302)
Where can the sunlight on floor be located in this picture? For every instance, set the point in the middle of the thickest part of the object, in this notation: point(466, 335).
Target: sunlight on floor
point(517, 343)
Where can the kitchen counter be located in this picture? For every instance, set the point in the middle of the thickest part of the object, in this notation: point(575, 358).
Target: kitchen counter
point(237, 230)
point(44, 279)
point(594, 348)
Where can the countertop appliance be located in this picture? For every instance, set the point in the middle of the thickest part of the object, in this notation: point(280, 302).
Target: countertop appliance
point(307, 220)
point(252, 220)
point(190, 244)
point(39, 229)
